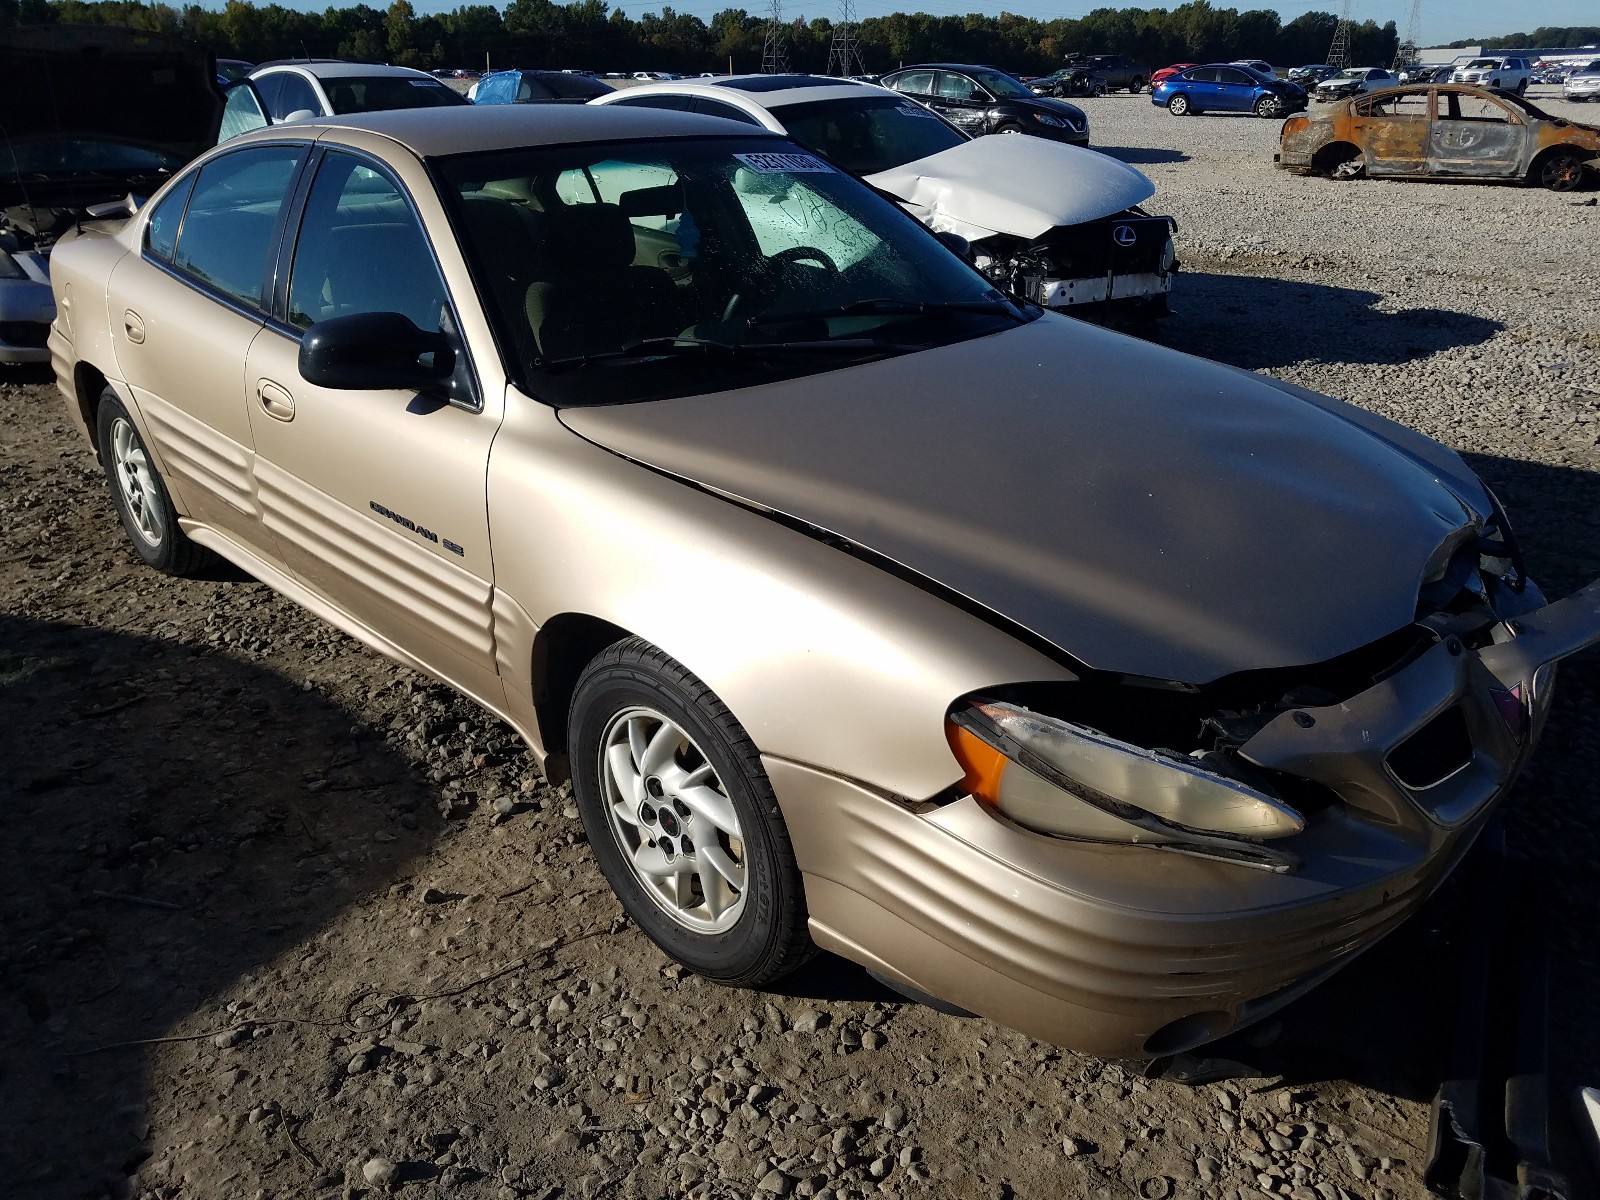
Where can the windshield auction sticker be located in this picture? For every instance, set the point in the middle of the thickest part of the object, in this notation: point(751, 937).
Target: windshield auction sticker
point(913, 110)
point(783, 164)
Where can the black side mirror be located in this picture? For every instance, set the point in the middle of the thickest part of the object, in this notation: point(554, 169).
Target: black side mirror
point(956, 243)
point(375, 352)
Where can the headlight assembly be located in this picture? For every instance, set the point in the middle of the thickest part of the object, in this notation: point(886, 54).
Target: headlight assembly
point(1066, 780)
point(1047, 119)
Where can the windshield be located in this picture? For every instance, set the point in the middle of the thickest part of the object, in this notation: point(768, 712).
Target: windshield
point(633, 271)
point(1483, 64)
point(1348, 73)
point(80, 156)
point(383, 92)
point(1001, 84)
point(869, 135)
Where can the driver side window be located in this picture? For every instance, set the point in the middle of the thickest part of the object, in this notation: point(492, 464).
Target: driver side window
point(361, 249)
point(955, 87)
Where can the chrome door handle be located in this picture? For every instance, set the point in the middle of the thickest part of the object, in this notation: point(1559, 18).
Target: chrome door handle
point(276, 402)
point(133, 326)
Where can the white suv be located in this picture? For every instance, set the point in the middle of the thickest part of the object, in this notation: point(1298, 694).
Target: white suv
point(304, 89)
point(1508, 74)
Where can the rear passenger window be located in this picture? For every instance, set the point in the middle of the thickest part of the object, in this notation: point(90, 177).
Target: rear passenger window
point(161, 230)
point(361, 249)
point(227, 235)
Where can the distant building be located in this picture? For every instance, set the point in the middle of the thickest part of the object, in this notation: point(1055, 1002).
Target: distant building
point(1565, 55)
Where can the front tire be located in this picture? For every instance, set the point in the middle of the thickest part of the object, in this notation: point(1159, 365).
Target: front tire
point(1270, 107)
point(1178, 106)
point(141, 498)
point(1009, 128)
point(1560, 171)
point(682, 819)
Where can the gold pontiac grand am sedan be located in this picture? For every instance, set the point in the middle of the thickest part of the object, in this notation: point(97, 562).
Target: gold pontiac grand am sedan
point(1113, 694)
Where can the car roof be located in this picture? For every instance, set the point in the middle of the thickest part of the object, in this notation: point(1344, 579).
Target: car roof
point(766, 91)
point(945, 66)
point(469, 129)
point(338, 69)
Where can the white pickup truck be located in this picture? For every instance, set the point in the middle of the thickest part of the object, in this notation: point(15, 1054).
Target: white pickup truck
point(1509, 74)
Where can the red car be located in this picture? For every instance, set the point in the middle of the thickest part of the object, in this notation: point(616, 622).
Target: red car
point(1169, 72)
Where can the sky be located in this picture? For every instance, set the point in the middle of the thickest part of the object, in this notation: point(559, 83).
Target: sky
point(1442, 20)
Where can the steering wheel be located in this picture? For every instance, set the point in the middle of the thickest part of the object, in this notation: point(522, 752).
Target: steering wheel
point(743, 300)
point(804, 254)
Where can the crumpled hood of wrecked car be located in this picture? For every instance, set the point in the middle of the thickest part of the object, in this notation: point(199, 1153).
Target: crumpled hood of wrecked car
point(1023, 186)
point(1147, 512)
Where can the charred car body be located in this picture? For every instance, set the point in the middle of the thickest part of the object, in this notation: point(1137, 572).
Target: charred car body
point(1448, 132)
point(1061, 226)
point(91, 115)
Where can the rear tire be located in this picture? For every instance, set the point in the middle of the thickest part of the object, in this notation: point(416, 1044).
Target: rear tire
point(1136, 85)
point(1178, 106)
point(140, 496)
point(690, 838)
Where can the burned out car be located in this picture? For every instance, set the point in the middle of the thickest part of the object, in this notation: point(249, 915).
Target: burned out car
point(1451, 132)
point(1063, 226)
point(865, 607)
point(91, 115)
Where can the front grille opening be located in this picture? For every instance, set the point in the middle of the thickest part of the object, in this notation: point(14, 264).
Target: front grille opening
point(1433, 753)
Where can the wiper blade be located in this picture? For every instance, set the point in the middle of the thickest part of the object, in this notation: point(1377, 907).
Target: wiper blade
point(893, 308)
point(671, 347)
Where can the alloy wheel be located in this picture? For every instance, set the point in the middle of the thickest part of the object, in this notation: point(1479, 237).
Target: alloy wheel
point(137, 482)
point(672, 819)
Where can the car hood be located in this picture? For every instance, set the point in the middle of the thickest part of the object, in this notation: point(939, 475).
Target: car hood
point(1023, 186)
point(91, 112)
point(1146, 512)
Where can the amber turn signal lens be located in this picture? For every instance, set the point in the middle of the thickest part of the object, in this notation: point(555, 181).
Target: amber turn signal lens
point(983, 764)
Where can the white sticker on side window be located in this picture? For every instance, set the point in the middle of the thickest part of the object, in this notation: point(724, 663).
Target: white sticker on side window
point(780, 163)
point(916, 110)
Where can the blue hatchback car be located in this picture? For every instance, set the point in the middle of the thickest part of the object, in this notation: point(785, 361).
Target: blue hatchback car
point(1228, 87)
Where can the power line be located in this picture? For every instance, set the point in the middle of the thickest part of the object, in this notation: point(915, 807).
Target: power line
point(775, 50)
point(843, 56)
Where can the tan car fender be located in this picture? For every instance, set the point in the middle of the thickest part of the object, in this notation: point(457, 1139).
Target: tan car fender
point(825, 659)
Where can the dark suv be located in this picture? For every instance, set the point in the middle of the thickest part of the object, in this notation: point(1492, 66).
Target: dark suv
point(986, 100)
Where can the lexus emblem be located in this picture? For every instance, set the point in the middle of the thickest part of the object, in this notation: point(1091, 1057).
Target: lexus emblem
point(1124, 235)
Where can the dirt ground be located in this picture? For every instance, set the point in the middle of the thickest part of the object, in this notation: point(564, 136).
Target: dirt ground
point(281, 919)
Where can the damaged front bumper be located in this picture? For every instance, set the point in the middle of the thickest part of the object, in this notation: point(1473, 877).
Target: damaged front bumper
point(1129, 256)
point(1127, 951)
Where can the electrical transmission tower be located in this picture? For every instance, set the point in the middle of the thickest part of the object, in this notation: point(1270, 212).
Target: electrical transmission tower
point(1339, 52)
point(775, 51)
point(843, 56)
point(1406, 52)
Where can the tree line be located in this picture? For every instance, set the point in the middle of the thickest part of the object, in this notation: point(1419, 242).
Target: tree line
point(590, 34)
point(1546, 37)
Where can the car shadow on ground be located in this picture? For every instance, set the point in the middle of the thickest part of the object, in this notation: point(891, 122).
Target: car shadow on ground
point(1142, 155)
point(1290, 322)
point(172, 819)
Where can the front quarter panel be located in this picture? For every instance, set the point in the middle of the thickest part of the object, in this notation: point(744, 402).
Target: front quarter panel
point(826, 660)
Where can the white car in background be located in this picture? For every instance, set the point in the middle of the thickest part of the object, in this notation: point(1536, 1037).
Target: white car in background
point(1352, 81)
point(1508, 74)
point(1583, 83)
point(1058, 224)
point(278, 93)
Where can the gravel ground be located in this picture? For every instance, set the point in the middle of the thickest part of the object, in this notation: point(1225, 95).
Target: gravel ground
point(281, 919)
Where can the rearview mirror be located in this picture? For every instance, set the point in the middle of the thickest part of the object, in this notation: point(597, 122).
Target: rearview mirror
point(375, 352)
